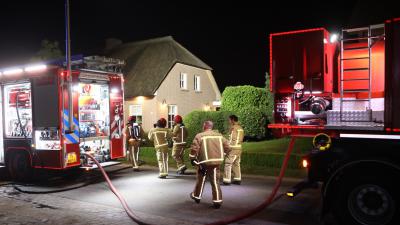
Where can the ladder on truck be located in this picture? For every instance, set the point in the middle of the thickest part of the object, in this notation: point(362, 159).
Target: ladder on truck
point(362, 40)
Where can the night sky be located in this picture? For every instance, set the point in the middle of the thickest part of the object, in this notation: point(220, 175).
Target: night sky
point(231, 36)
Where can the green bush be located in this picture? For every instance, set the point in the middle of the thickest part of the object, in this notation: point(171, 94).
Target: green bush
point(252, 105)
point(253, 121)
point(194, 122)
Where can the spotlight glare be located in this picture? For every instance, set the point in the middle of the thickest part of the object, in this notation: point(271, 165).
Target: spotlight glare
point(35, 68)
point(12, 71)
point(333, 38)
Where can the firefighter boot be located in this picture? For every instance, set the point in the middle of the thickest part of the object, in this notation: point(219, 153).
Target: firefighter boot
point(217, 205)
point(237, 182)
point(181, 170)
point(194, 198)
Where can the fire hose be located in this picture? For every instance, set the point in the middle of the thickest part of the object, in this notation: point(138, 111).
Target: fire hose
point(267, 202)
point(93, 179)
point(115, 191)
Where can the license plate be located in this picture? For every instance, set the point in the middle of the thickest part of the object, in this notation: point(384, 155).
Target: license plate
point(71, 157)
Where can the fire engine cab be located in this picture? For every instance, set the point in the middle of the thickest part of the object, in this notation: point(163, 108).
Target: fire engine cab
point(344, 91)
point(50, 116)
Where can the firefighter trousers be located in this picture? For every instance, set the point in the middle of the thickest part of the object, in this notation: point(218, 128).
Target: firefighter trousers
point(232, 166)
point(133, 152)
point(212, 173)
point(162, 158)
point(178, 151)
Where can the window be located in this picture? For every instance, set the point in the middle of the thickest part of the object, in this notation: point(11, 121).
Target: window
point(183, 81)
point(18, 110)
point(136, 110)
point(197, 83)
point(172, 112)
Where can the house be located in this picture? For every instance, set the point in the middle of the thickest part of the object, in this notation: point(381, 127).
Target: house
point(163, 79)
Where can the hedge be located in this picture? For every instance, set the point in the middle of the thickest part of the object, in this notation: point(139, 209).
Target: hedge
point(249, 159)
point(253, 121)
point(251, 163)
point(194, 122)
point(251, 104)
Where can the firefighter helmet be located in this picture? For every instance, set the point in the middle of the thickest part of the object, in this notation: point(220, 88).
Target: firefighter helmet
point(178, 119)
point(131, 119)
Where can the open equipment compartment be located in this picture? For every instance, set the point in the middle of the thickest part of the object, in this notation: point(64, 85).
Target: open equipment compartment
point(94, 122)
point(18, 110)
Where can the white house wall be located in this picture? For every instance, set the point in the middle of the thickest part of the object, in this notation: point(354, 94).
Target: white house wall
point(187, 100)
point(169, 93)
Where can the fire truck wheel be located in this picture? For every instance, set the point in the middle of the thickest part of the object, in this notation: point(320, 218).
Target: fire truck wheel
point(366, 200)
point(19, 167)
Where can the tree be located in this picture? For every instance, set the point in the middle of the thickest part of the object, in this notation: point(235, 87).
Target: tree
point(48, 50)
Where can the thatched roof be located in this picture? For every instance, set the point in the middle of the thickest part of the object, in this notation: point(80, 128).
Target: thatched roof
point(149, 62)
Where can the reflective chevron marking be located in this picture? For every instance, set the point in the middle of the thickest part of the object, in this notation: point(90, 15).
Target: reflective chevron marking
point(71, 138)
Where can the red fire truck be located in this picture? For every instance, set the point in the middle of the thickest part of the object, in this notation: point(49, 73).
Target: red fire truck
point(343, 90)
point(49, 116)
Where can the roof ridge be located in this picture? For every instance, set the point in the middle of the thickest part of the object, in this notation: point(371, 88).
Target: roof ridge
point(205, 66)
point(148, 41)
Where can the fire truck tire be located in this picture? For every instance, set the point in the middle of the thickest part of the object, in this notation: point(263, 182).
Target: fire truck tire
point(19, 167)
point(366, 198)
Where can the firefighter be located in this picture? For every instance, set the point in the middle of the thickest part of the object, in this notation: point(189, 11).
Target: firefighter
point(142, 138)
point(207, 153)
point(232, 160)
point(179, 135)
point(160, 136)
point(133, 134)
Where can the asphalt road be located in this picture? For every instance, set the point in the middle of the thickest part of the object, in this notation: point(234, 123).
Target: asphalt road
point(167, 201)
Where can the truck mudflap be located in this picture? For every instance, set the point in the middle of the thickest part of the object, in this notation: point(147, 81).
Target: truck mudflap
point(299, 187)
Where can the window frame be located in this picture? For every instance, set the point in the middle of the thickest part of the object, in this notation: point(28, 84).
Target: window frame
point(172, 115)
point(137, 115)
point(197, 83)
point(183, 84)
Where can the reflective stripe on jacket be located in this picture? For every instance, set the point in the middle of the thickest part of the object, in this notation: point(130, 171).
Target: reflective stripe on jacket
point(236, 136)
point(159, 136)
point(209, 147)
point(179, 134)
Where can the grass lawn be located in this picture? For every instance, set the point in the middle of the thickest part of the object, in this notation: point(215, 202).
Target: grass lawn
point(303, 145)
point(258, 158)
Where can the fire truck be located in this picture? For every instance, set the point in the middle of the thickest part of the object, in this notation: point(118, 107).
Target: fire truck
point(49, 115)
point(343, 90)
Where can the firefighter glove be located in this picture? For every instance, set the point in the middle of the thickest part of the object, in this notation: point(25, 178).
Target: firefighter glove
point(193, 162)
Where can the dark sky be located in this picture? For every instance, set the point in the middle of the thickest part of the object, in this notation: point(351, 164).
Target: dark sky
point(231, 36)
